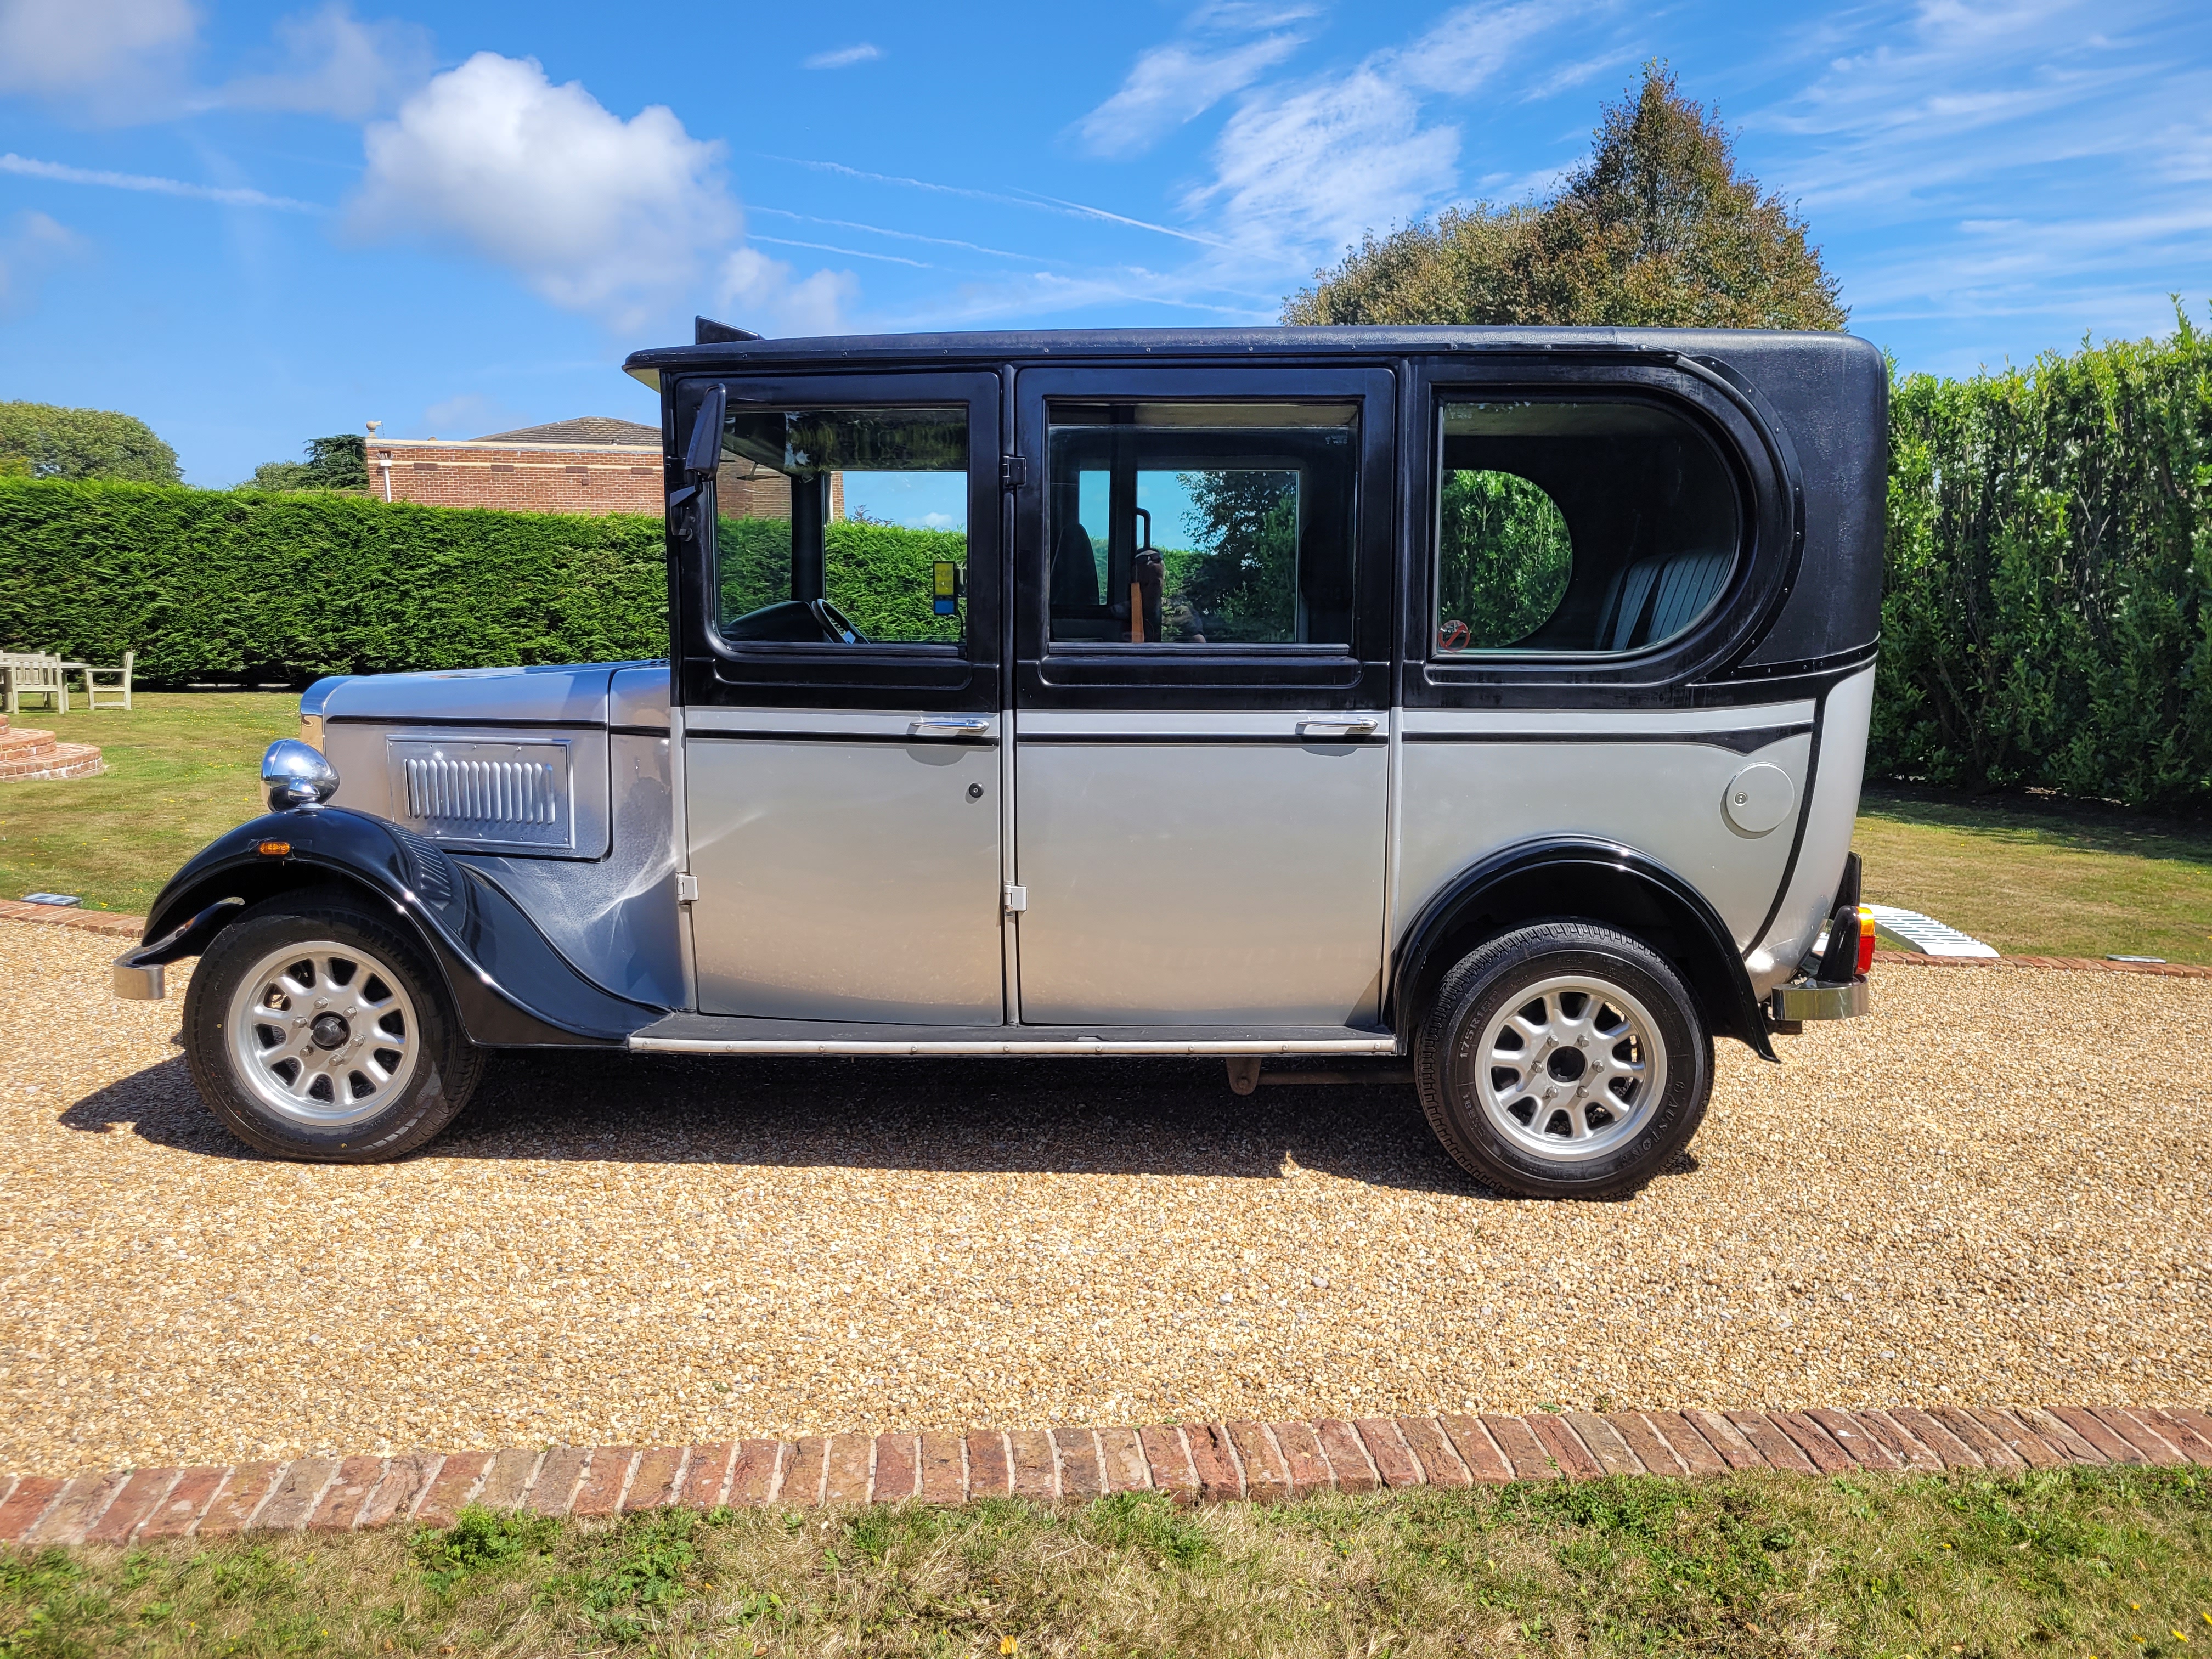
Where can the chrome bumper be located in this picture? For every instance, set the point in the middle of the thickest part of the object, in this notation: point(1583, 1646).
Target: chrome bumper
point(1791, 1005)
point(134, 983)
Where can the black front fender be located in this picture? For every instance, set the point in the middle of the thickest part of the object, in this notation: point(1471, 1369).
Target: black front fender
point(1574, 877)
point(510, 987)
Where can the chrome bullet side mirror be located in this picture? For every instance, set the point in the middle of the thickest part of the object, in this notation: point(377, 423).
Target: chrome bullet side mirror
point(295, 774)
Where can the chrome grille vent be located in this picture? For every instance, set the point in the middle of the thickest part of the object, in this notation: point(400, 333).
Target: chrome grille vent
point(485, 794)
point(482, 791)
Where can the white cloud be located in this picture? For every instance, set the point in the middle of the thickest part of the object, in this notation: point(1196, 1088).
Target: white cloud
point(769, 297)
point(229, 196)
point(1174, 83)
point(1302, 171)
point(338, 65)
point(1312, 167)
point(845, 57)
point(118, 56)
point(32, 246)
point(594, 213)
point(1469, 45)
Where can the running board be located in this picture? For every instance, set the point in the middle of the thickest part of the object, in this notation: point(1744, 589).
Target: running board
point(718, 1034)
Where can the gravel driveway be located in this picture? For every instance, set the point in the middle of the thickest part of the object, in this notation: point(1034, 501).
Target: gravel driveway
point(1995, 1190)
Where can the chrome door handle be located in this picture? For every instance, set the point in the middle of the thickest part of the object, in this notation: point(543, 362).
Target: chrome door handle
point(952, 725)
point(1343, 726)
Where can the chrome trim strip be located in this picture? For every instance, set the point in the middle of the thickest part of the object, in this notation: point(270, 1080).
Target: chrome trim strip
point(1747, 741)
point(1381, 1045)
point(821, 724)
point(1189, 724)
point(1597, 724)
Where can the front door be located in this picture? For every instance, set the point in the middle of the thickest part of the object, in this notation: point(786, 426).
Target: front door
point(841, 703)
point(1202, 703)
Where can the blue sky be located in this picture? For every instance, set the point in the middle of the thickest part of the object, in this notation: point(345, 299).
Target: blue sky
point(250, 224)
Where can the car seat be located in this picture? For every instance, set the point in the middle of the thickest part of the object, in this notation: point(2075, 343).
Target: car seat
point(1655, 599)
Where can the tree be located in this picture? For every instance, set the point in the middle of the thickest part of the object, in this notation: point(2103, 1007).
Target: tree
point(337, 462)
point(1658, 228)
point(43, 440)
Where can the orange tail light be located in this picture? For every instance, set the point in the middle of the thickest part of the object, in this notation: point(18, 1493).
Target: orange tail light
point(1866, 938)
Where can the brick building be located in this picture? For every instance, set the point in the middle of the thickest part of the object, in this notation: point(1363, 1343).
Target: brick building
point(594, 463)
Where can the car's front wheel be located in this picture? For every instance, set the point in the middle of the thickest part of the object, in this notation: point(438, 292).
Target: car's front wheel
point(316, 1028)
point(1563, 1059)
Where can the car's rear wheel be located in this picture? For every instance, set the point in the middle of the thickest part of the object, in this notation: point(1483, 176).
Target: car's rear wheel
point(316, 1028)
point(1563, 1059)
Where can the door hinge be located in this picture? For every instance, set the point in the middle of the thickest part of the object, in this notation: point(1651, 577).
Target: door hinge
point(687, 889)
point(1013, 471)
point(1018, 900)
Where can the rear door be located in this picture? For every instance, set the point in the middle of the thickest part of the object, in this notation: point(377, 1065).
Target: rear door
point(841, 703)
point(1202, 700)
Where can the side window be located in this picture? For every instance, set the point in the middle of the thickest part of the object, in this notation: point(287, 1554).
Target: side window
point(1201, 524)
point(843, 526)
point(1583, 527)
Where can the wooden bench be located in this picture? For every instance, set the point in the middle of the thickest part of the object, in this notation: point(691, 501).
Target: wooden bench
point(113, 683)
point(33, 674)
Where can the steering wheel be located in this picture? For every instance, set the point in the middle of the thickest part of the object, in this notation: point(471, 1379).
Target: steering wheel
point(1451, 637)
point(835, 623)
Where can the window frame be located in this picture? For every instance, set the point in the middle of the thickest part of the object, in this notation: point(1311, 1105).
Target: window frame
point(1759, 464)
point(1081, 674)
point(877, 673)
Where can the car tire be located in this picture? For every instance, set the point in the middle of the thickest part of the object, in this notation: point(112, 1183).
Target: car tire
point(1563, 1060)
point(316, 1029)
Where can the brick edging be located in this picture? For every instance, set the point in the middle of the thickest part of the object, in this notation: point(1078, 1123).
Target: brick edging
point(70, 915)
point(2064, 964)
point(1194, 1462)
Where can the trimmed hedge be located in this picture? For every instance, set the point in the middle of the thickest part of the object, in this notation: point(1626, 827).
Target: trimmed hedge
point(879, 574)
point(209, 585)
point(206, 584)
point(2049, 547)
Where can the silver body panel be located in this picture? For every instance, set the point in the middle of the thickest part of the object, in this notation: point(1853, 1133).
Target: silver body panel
point(1829, 818)
point(1477, 782)
point(1179, 867)
point(637, 697)
point(843, 870)
point(1188, 868)
point(615, 918)
point(571, 694)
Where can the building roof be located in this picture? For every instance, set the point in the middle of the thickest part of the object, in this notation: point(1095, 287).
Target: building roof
point(584, 429)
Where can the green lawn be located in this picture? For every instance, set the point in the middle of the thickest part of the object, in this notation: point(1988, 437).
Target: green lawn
point(2037, 877)
point(2030, 876)
point(2069, 1563)
point(182, 767)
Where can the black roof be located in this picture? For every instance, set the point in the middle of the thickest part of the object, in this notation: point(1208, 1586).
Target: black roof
point(1038, 345)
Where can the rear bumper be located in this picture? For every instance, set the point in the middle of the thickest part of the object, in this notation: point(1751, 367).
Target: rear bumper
point(1791, 1005)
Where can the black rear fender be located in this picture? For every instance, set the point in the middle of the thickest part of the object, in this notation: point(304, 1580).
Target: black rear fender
point(1595, 881)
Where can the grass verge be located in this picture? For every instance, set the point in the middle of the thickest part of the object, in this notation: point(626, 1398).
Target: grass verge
point(2042, 878)
point(182, 768)
point(2075, 1562)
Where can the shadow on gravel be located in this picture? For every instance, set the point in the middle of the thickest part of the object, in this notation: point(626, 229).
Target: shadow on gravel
point(1094, 1116)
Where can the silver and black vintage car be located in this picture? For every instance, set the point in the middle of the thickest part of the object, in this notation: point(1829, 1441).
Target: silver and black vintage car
point(1494, 699)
